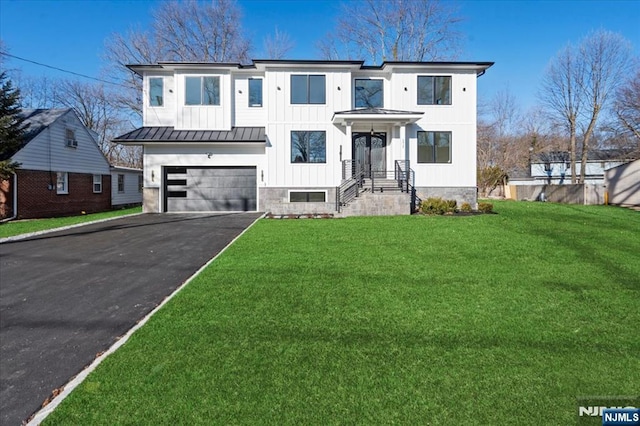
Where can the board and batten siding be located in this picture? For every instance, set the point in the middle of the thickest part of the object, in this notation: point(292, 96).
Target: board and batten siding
point(132, 193)
point(245, 115)
point(283, 118)
point(203, 117)
point(48, 151)
point(164, 115)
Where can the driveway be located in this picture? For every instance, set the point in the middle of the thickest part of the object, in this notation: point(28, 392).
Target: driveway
point(67, 296)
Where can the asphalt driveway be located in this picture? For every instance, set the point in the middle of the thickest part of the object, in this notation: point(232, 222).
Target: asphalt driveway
point(67, 296)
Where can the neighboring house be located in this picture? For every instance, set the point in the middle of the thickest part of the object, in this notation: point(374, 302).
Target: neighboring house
point(555, 167)
point(126, 186)
point(623, 184)
point(62, 170)
point(295, 136)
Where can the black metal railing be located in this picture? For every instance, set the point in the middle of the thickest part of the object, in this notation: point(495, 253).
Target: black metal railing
point(356, 180)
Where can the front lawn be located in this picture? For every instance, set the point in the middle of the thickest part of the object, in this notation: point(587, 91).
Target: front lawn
point(491, 319)
point(18, 227)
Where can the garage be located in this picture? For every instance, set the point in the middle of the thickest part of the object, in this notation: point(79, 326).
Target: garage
point(210, 189)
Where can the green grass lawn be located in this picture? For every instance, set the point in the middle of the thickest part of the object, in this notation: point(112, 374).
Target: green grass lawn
point(492, 319)
point(10, 229)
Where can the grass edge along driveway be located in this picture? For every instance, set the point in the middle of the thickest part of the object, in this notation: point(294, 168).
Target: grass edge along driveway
point(493, 319)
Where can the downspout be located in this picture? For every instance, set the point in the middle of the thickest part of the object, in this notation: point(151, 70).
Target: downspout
point(15, 199)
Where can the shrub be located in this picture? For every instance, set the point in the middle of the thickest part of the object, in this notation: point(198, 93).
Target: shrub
point(466, 207)
point(485, 207)
point(436, 205)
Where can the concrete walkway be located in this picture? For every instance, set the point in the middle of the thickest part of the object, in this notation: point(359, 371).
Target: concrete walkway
point(66, 296)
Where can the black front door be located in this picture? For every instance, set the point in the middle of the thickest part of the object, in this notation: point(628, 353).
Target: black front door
point(369, 151)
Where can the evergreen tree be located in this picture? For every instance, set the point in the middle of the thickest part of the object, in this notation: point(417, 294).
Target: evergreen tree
point(12, 127)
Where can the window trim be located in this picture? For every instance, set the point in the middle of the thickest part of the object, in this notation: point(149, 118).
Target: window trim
point(308, 191)
point(161, 103)
point(202, 97)
point(121, 191)
point(433, 101)
point(324, 132)
point(308, 88)
point(435, 151)
point(65, 183)
point(261, 93)
point(355, 91)
point(98, 183)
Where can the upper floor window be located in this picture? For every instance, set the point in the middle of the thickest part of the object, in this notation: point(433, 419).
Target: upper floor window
point(308, 89)
point(308, 147)
point(369, 93)
point(434, 147)
point(434, 90)
point(156, 88)
point(70, 137)
point(202, 90)
point(255, 92)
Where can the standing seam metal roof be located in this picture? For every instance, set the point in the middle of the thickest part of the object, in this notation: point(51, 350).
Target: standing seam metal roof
point(169, 134)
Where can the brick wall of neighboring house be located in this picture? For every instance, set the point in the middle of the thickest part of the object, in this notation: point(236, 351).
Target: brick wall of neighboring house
point(37, 195)
point(6, 198)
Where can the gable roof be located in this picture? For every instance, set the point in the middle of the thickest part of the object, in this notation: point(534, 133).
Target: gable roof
point(36, 121)
point(170, 134)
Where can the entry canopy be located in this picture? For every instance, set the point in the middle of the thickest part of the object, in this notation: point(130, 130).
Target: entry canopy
point(376, 115)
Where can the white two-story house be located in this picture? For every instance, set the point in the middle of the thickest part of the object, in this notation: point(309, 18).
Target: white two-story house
point(296, 136)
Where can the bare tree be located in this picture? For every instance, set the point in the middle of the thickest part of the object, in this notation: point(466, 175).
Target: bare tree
point(579, 84)
point(607, 58)
point(394, 30)
point(188, 31)
point(277, 45)
point(627, 105)
point(562, 94)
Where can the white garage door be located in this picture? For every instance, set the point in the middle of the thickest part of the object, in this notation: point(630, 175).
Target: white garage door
point(210, 189)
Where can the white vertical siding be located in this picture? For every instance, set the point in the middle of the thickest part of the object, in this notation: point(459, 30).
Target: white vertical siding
point(245, 115)
point(160, 115)
point(204, 117)
point(49, 151)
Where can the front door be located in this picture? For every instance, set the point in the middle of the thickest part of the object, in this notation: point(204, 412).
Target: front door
point(369, 151)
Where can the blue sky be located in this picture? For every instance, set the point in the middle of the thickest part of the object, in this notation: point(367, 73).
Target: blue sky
point(521, 37)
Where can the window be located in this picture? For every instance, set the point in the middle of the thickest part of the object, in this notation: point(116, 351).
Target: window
point(62, 182)
point(307, 197)
point(156, 91)
point(434, 90)
point(308, 147)
point(369, 93)
point(97, 184)
point(140, 182)
point(308, 89)
point(255, 92)
point(120, 183)
point(434, 147)
point(70, 137)
point(202, 90)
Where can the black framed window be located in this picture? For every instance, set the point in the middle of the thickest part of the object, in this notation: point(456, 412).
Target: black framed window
point(255, 92)
point(156, 90)
point(369, 93)
point(434, 90)
point(434, 147)
point(307, 197)
point(308, 147)
point(202, 90)
point(308, 89)
point(120, 183)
